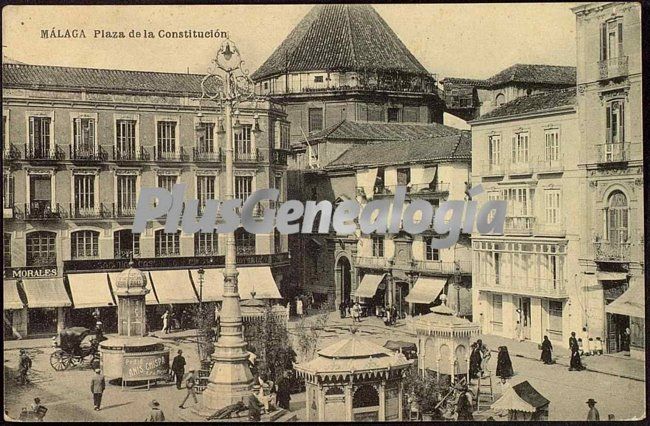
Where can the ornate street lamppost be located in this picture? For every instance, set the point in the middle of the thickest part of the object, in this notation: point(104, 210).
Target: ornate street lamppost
point(228, 84)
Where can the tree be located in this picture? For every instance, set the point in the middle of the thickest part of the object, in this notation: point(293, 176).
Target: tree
point(308, 332)
point(423, 389)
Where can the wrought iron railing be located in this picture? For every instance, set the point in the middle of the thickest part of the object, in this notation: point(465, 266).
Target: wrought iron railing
point(44, 210)
point(613, 67)
point(613, 152)
point(54, 153)
point(87, 154)
point(610, 250)
point(464, 266)
point(251, 156)
point(202, 155)
point(520, 225)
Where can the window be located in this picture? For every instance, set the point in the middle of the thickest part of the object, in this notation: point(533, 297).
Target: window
point(125, 139)
point(615, 121)
point(617, 218)
point(126, 195)
point(393, 115)
point(243, 187)
point(39, 136)
point(520, 201)
point(126, 244)
point(500, 100)
point(611, 40)
point(166, 139)
point(403, 176)
point(6, 250)
point(430, 253)
point(167, 244)
point(277, 241)
point(84, 245)
point(375, 112)
point(84, 194)
point(84, 137)
point(318, 79)
point(285, 142)
point(552, 145)
point(555, 316)
point(552, 198)
point(244, 241)
point(167, 182)
point(205, 189)
point(205, 139)
point(520, 147)
point(377, 246)
point(278, 185)
point(494, 149)
point(206, 244)
point(41, 248)
point(497, 308)
point(243, 144)
point(8, 191)
point(315, 119)
point(40, 194)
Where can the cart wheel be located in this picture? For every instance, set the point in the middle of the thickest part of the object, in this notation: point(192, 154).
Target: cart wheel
point(59, 360)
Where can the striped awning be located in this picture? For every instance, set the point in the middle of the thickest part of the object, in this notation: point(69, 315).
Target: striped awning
point(426, 290)
point(46, 293)
point(368, 285)
point(90, 290)
point(173, 286)
point(212, 284)
point(10, 296)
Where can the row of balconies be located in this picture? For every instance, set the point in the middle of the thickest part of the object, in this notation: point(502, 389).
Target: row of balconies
point(439, 189)
point(531, 286)
point(154, 153)
point(433, 266)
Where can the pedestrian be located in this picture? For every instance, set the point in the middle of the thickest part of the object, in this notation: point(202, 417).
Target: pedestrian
point(504, 365)
point(625, 340)
point(348, 309)
point(254, 408)
point(485, 358)
point(593, 414)
point(178, 368)
point(97, 386)
point(190, 382)
point(377, 310)
point(464, 404)
point(342, 309)
point(217, 318)
point(38, 409)
point(386, 317)
point(356, 312)
point(156, 414)
point(24, 365)
point(299, 307)
point(283, 395)
point(165, 321)
point(519, 332)
point(547, 349)
point(184, 319)
point(575, 363)
point(393, 315)
point(475, 359)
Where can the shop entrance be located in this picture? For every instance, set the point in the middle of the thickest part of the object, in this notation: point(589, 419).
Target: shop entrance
point(617, 340)
point(42, 321)
point(345, 278)
point(401, 290)
point(524, 316)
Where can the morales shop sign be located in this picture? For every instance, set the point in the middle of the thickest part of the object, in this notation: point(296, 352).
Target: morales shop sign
point(30, 272)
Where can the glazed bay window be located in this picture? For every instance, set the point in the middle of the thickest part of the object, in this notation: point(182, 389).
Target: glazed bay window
point(126, 244)
point(243, 187)
point(520, 148)
point(84, 196)
point(377, 246)
point(40, 145)
point(40, 248)
point(84, 245)
point(125, 147)
point(167, 244)
point(206, 244)
point(430, 253)
point(205, 190)
point(84, 138)
point(126, 195)
point(166, 141)
point(244, 144)
point(315, 120)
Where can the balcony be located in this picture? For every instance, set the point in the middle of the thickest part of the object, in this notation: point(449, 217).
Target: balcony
point(373, 262)
point(119, 210)
point(433, 188)
point(528, 286)
point(161, 155)
point(126, 254)
point(545, 165)
point(613, 68)
point(77, 154)
point(121, 154)
point(43, 210)
point(205, 156)
point(520, 168)
point(492, 169)
point(519, 225)
point(10, 153)
point(549, 229)
point(44, 154)
point(96, 212)
point(248, 157)
point(279, 157)
point(447, 268)
point(610, 153)
point(606, 251)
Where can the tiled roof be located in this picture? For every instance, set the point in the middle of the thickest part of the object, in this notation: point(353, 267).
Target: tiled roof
point(92, 79)
point(464, 81)
point(450, 147)
point(373, 131)
point(345, 37)
point(538, 74)
point(532, 103)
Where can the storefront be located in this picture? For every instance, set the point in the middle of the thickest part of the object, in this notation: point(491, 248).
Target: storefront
point(46, 299)
point(373, 290)
point(628, 310)
point(425, 291)
point(614, 286)
point(14, 312)
point(91, 293)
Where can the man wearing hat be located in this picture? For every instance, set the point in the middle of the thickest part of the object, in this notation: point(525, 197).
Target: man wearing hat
point(593, 415)
point(38, 409)
point(156, 414)
point(97, 386)
point(24, 364)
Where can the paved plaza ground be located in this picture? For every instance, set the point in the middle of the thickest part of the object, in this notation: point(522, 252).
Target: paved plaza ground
point(67, 394)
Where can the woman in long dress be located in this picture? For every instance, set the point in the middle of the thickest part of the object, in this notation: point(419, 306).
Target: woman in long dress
point(504, 365)
point(547, 351)
point(475, 360)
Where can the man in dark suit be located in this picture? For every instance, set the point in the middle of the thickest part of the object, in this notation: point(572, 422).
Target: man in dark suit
point(97, 386)
point(574, 363)
point(283, 395)
point(178, 367)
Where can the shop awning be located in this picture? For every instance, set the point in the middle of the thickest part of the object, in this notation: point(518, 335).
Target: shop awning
point(212, 284)
point(368, 285)
point(46, 293)
point(150, 298)
point(10, 297)
point(630, 303)
point(258, 279)
point(90, 290)
point(611, 276)
point(426, 290)
point(521, 397)
point(173, 286)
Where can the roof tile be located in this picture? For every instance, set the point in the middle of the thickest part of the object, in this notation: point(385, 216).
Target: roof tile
point(537, 102)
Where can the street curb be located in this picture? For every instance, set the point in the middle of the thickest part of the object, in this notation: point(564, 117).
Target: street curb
point(623, 376)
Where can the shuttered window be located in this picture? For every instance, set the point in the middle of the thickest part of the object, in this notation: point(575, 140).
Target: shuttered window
point(39, 136)
point(126, 194)
point(315, 119)
point(125, 139)
point(84, 190)
point(552, 198)
point(84, 137)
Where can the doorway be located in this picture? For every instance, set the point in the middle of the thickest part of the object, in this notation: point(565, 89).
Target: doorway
point(401, 290)
point(617, 341)
point(524, 307)
point(344, 268)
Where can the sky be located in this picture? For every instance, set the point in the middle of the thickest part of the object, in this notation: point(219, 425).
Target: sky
point(461, 40)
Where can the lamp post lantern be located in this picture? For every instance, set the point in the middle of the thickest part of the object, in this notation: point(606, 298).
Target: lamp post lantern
point(227, 83)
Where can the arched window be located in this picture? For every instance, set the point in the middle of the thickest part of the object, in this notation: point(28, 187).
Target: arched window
point(126, 244)
point(41, 248)
point(500, 99)
point(245, 241)
point(167, 244)
point(84, 245)
point(365, 396)
point(617, 218)
point(206, 244)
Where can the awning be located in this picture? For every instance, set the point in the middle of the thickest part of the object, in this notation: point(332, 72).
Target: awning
point(10, 297)
point(426, 290)
point(173, 286)
point(90, 290)
point(630, 303)
point(611, 276)
point(368, 285)
point(521, 397)
point(258, 279)
point(46, 293)
point(212, 284)
point(149, 299)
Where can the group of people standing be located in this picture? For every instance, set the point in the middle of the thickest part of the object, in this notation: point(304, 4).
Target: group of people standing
point(347, 309)
point(480, 356)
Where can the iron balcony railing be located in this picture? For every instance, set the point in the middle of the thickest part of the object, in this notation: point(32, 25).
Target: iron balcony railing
point(126, 254)
point(162, 155)
point(613, 67)
point(251, 156)
point(87, 154)
point(171, 251)
point(419, 188)
point(611, 250)
point(531, 286)
point(202, 155)
point(245, 250)
point(519, 225)
point(119, 210)
point(44, 153)
point(613, 152)
point(548, 164)
point(90, 212)
point(464, 266)
point(43, 210)
point(122, 154)
point(10, 153)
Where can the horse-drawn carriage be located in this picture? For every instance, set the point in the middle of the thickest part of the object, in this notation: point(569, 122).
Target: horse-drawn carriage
point(77, 346)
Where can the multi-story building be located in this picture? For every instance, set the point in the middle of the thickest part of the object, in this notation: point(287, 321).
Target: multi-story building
point(611, 138)
point(78, 145)
point(524, 281)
